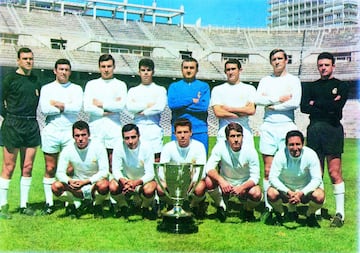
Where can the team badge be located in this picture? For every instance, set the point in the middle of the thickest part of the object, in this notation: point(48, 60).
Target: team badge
point(334, 91)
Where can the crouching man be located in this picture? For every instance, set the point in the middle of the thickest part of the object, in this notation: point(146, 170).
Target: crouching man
point(238, 176)
point(133, 173)
point(295, 178)
point(88, 160)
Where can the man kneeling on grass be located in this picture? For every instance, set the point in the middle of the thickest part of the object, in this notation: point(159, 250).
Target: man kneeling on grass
point(238, 176)
point(295, 178)
point(88, 159)
point(133, 175)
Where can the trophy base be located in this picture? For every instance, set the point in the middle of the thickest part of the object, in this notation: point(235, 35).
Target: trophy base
point(178, 225)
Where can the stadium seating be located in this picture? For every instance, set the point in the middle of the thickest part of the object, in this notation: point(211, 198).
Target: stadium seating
point(85, 36)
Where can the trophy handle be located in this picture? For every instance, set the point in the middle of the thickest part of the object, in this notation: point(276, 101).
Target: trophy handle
point(158, 180)
point(193, 184)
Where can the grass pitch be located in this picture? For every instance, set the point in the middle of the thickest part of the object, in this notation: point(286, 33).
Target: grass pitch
point(55, 233)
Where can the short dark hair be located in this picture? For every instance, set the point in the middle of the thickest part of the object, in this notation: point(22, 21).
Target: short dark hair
point(62, 61)
point(81, 125)
point(277, 50)
point(106, 57)
point(293, 133)
point(232, 61)
point(23, 50)
point(130, 127)
point(233, 126)
point(182, 122)
point(190, 59)
point(326, 55)
point(146, 62)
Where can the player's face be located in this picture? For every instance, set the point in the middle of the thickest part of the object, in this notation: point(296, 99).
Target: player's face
point(189, 70)
point(295, 146)
point(146, 75)
point(232, 72)
point(278, 62)
point(131, 139)
point(62, 73)
point(325, 68)
point(235, 139)
point(183, 135)
point(26, 62)
point(81, 138)
point(107, 69)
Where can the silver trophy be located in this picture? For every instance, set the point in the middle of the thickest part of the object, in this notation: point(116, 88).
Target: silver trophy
point(178, 181)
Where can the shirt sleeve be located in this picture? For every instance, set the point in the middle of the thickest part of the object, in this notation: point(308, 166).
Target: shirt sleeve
point(62, 166)
point(315, 172)
point(275, 170)
point(117, 104)
point(160, 104)
point(117, 163)
point(254, 166)
point(295, 99)
point(148, 167)
point(89, 95)
point(103, 163)
point(75, 104)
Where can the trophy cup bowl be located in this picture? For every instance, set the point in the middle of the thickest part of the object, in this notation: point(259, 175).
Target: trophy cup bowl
point(177, 181)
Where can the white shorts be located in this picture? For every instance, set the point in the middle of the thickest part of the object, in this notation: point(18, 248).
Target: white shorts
point(153, 135)
point(248, 138)
point(107, 132)
point(272, 136)
point(53, 140)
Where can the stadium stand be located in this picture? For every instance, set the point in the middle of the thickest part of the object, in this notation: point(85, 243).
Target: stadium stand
point(82, 39)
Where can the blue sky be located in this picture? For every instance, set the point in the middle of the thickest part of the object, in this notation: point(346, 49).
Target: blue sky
point(227, 13)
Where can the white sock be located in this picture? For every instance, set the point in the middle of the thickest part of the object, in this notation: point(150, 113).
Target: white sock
point(339, 192)
point(313, 207)
point(99, 199)
point(266, 186)
point(47, 190)
point(67, 197)
point(120, 200)
point(216, 195)
point(195, 200)
point(4, 187)
point(25, 183)
point(146, 202)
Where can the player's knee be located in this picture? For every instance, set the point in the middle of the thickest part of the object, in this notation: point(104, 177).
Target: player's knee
point(57, 188)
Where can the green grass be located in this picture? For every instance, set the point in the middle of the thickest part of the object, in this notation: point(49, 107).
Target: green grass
point(57, 234)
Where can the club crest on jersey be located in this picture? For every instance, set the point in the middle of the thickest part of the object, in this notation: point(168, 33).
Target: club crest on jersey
point(334, 91)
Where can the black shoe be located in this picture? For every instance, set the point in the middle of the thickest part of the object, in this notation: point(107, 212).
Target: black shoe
point(279, 219)
point(337, 221)
point(249, 216)
point(147, 213)
point(221, 214)
point(292, 216)
point(86, 206)
point(27, 211)
point(4, 212)
point(199, 211)
point(312, 222)
point(267, 217)
point(72, 212)
point(98, 211)
point(48, 210)
point(124, 212)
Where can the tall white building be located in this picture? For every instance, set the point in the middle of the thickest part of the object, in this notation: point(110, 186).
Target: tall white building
point(312, 13)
